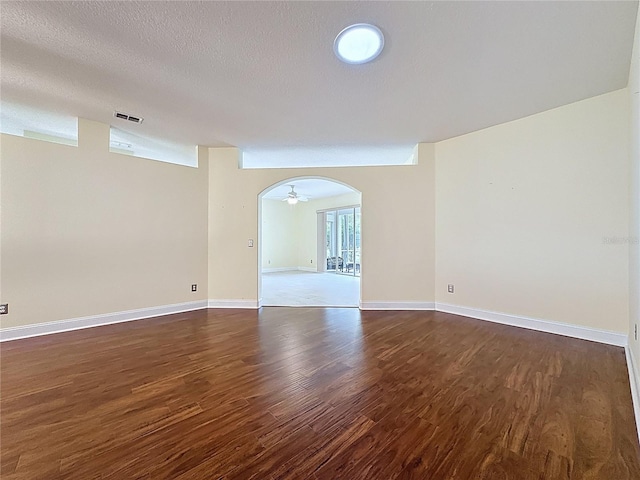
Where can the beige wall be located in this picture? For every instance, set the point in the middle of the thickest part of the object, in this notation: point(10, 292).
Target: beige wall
point(391, 223)
point(280, 235)
point(88, 232)
point(522, 211)
point(634, 218)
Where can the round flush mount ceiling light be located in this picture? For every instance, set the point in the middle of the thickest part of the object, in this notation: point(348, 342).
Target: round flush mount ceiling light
point(359, 43)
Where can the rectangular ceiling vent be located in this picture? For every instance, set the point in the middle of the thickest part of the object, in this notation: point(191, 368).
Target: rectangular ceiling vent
point(126, 116)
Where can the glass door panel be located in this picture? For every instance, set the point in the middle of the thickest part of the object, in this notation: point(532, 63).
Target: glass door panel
point(346, 239)
point(331, 239)
point(343, 241)
point(356, 269)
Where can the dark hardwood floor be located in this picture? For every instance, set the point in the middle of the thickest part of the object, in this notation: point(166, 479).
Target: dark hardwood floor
point(315, 394)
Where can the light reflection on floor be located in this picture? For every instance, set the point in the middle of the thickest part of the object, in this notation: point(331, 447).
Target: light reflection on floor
point(287, 344)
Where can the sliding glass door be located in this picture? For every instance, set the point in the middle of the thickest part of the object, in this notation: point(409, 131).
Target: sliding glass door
point(343, 240)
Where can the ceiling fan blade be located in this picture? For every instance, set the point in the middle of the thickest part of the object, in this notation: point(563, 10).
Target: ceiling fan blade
point(303, 199)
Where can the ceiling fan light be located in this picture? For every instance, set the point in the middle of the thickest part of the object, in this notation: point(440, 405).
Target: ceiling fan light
point(292, 200)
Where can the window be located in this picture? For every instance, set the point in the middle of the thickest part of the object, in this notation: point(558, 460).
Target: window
point(342, 156)
point(136, 145)
point(35, 123)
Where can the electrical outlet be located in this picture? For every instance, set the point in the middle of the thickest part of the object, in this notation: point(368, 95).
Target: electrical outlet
point(194, 287)
point(312, 260)
point(250, 242)
point(450, 288)
point(4, 309)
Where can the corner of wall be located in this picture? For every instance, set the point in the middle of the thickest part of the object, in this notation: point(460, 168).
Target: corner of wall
point(634, 207)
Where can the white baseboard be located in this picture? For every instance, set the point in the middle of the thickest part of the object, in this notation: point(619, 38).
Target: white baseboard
point(289, 269)
point(568, 330)
point(397, 305)
point(233, 303)
point(34, 330)
point(585, 333)
point(279, 269)
point(308, 305)
point(632, 368)
point(602, 336)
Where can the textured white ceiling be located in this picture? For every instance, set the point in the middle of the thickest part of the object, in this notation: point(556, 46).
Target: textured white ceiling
point(16, 119)
point(313, 188)
point(263, 74)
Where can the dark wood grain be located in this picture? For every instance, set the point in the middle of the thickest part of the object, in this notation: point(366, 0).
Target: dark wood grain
point(314, 394)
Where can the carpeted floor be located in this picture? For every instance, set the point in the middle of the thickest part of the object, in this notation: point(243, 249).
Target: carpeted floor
point(309, 289)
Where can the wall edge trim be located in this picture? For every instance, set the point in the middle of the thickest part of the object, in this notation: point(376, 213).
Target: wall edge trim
point(233, 303)
point(565, 329)
point(289, 269)
point(585, 333)
point(79, 323)
point(632, 369)
point(397, 305)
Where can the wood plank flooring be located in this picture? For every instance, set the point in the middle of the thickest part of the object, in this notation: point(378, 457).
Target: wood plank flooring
point(314, 394)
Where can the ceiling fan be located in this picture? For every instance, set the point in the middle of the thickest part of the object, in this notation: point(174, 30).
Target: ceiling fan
point(292, 197)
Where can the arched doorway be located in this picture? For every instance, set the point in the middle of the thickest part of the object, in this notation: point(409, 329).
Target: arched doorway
point(310, 243)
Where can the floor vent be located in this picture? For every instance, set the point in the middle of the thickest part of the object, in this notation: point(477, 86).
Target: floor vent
point(125, 116)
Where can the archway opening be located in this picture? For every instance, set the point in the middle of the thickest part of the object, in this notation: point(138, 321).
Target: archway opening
point(310, 243)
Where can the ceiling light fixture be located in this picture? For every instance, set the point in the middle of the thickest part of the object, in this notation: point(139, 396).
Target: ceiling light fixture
point(292, 197)
point(359, 43)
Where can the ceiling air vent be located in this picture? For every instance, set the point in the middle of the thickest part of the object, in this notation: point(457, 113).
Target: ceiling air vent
point(125, 116)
